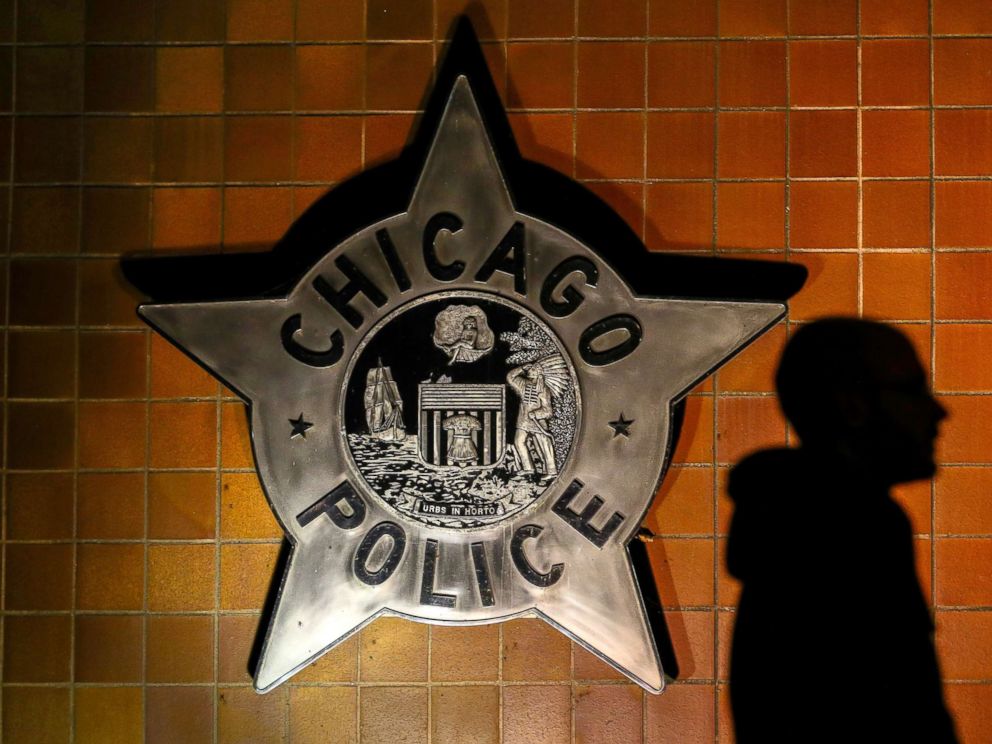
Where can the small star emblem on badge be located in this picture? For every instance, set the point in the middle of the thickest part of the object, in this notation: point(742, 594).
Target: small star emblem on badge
point(300, 427)
point(621, 426)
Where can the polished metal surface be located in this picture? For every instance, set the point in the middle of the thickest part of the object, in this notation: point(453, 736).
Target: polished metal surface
point(555, 547)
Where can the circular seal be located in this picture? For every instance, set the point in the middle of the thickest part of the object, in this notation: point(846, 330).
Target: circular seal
point(460, 409)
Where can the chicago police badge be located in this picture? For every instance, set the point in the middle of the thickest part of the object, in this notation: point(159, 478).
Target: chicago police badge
point(460, 413)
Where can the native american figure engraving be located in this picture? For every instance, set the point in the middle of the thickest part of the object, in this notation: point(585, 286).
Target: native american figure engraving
point(383, 405)
point(536, 385)
point(462, 332)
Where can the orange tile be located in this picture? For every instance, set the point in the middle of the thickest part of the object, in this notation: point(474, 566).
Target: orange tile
point(111, 435)
point(680, 145)
point(590, 668)
point(895, 17)
point(119, 20)
point(190, 20)
point(680, 216)
point(51, 280)
point(747, 424)
point(40, 435)
point(35, 714)
point(328, 148)
point(823, 73)
point(970, 707)
point(180, 577)
point(537, 714)
point(255, 77)
point(181, 505)
point(962, 69)
point(105, 297)
point(304, 197)
point(51, 20)
point(823, 214)
point(256, 216)
point(752, 73)
point(831, 289)
point(45, 220)
point(823, 17)
point(110, 506)
point(610, 714)
point(393, 19)
point(963, 643)
point(189, 149)
point(605, 18)
point(687, 709)
point(110, 576)
point(245, 513)
point(259, 20)
point(962, 292)
point(541, 75)
point(186, 218)
point(753, 17)
point(112, 365)
point(39, 506)
point(962, 214)
point(679, 18)
point(695, 443)
point(48, 79)
point(180, 648)
point(183, 435)
point(393, 650)
point(119, 79)
point(243, 715)
point(750, 215)
point(684, 504)
point(396, 77)
point(896, 214)
point(545, 138)
point(108, 714)
point(36, 649)
point(175, 375)
point(823, 143)
point(555, 18)
point(753, 370)
point(965, 434)
point(183, 714)
point(914, 498)
point(962, 17)
point(236, 637)
point(962, 351)
point(235, 444)
point(246, 572)
point(687, 566)
point(528, 639)
point(681, 74)
point(692, 639)
point(751, 144)
point(962, 142)
point(317, 65)
point(385, 136)
point(321, 714)
point(626, 199)
point(378, 709)
point(258, 148)
point(189, 79)
point(609, 145)
point(964, 571)
point(460, 714)
point(895, 143)
point(108, 648)
point(962, 503)
point(316, 20)
point(895, 72)
point(117, 149)
point(896, 286)
point(48, 148)
point(611, 75)
point(340, 664)
point(41, 364)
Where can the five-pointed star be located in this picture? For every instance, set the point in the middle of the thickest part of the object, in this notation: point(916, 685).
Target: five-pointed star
point(621, 426)
point(293, 353)
point(300, 426)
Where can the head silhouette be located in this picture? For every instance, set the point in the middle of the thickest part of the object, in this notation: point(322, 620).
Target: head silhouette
point(855, 389)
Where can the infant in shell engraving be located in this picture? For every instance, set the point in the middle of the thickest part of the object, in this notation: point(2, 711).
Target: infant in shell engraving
point(463, 333)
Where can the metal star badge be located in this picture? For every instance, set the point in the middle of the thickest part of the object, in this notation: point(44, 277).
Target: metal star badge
point(470, 376)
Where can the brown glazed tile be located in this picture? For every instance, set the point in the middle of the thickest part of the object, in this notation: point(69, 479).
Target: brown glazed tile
point(753, 370)
point(256, 217)
point(256, 77)
point(823, 73)
point(327, 148)
point(680, 216)
point(552, 18)
point(488, 17)
point(243, 715)
point(611, 75)
point(896, 286)
point(961, 505)
point(696, 440)
point(181, 506)
point(36, 649)
point(609, 145)
point(385, 136)
point(47, 148)
point(687, 564)
point(527, 640)
point(961, 349)
point(258, 148)
point(687, 709)
point(39, 506)
point(896, 214)
point(680, 145)
point(190, 20)
point(462, 714)
point(51, 21)
point(396, 76)
point(118, 149)
point(35, 715)
point(964, 437)
point(823, 143)
point(541, 74)
point(108, 714)
point(183, 435)
point(962, 70)
point(464, 654)
point(259, 20)
point(45, 220)
point(41, 364)
point(396, 19)
point(393, 650)
point(895, 143)
point(823, 17)
point(189, 149)
point(753, 17)
point(895, 17)
point(236, 635)
point(105, 296)
point(115, 220)
point(962, 292)
point(962, 213)
point(537, 714)
point(340, 664)
point(180, 648)
point(895, 72)
point(684, 505)
point(321, 714)
point(174, 714)
point(111, 506)
point(752, 73)
point(610, 714)
point(119, 79)
point(962, 142)
point(189, 79)
point(969, 705)
point(626, 199)
point(246, 571)
point(108, 648)
point(751, 144)
point(175, 375)
point(245, 512)
point(378, 715)
point(111, 365)
point(605, 18)
point(235, 443)
point(750, 215)
point(119, 20)
point(111, 435)
point(39, 577)
point(824, 215)
point(180, 577)
point(589, 667)
point(959, 636)
point(185, 218)
point(681, 74)
point(832, 286)
point(962, 17)
point(342, 21)
point(48, 79)
point(679, 18)
point(110, 577)
point(545, 138)
point(744, 424)
point(40, 436)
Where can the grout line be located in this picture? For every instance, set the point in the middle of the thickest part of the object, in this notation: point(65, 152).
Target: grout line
point(714, 474)
point(933, 295)
point(860, 172)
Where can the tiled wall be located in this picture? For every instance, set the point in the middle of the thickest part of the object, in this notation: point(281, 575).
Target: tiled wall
point(853, 136)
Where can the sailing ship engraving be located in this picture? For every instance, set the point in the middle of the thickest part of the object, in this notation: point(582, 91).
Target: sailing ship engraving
point(383, 405)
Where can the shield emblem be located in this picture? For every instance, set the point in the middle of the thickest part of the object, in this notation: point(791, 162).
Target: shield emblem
point(462, 425)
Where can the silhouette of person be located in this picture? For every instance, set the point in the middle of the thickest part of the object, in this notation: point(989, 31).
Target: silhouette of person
point(833, 639)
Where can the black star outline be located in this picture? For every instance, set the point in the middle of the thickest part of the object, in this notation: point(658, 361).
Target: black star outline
point(300, 427)
point(621, 426)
